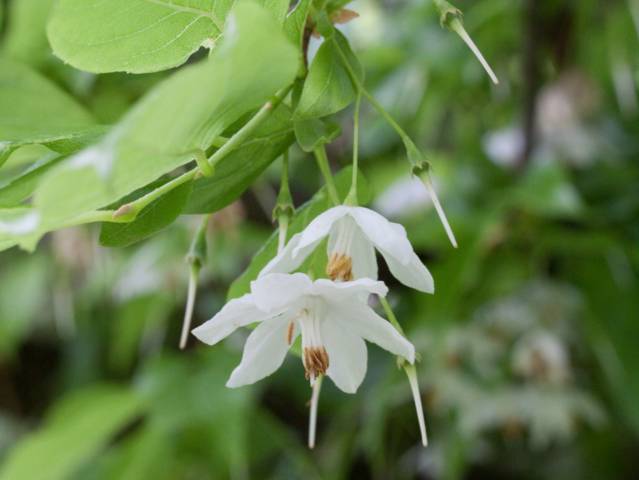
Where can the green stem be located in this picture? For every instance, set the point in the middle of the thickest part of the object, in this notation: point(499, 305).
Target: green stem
point(351, 199)
point(129, 211)
point(391, 315)
point(92, 217)
point(322, 163)
point(249, 127)
point(372, 100)
point(284, 199)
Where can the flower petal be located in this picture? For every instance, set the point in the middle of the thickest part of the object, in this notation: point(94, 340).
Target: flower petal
point(264, 352)
point(363, 321)
point(235, 314)
point(362, 251)
point(276, 291)
point(346, 291)
point(319, 227)
point(347, 356)
point(285, 262)
point(392, 242)
point(413, 274)
point(383, 234)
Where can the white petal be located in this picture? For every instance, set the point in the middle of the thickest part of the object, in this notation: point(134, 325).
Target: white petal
point(284, 262)
point(237, 313)
point(264, 352)
point(362, 251)
point(392, 242)
point(383, 234)
point(347, 355)
point(339, 291)
point(277, 291)
point(319, 227)
point(363, 321)
point(413, 274)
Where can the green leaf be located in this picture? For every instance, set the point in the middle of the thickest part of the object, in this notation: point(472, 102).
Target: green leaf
point(135, 36)
point(296, 22)
point(315, 132)
point(328, 87)
point(236, 172)
point(187, 112)
point(278, 8)
point(303, 216)
point(25, 39)
point(34, 110)
point(153, 218)
point(18, 189)
point(75, 431)
point(19, 225)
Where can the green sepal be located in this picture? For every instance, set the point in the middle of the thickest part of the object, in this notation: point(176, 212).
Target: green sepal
point(448, 13)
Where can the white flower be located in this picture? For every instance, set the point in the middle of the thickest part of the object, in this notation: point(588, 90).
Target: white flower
point(334, 319)
point(353, 235)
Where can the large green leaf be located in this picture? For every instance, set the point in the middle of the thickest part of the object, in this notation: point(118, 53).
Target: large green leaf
point(34, 110)
point(235, 173)
point(184, 113)
point(79, 427)
point(153, 218)
point(133, 36)
point(328, 87)
point(303, 216)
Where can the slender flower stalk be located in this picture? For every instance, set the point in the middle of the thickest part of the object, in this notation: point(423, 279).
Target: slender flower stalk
point(322, 163)
point(190, 303)
point(284, 209)
point(414, 155)
point(351, 199)
point(196, 258)
point(438, 207)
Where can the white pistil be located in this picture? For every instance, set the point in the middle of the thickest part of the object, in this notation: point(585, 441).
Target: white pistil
point(312, 420)
point(283, 227)
point(188, 312)
point(459, 29)
point(345, 235)
point(314, 354)
point(340, 263)
point(438, 207)
point(411, 373)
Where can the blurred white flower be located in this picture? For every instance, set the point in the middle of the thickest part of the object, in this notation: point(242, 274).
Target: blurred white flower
point(541, 356)
point(333, 318)
point(403, 197)
point(353, 235)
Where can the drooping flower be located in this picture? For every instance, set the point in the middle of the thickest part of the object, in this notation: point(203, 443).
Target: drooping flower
point(354, 233)
point(334, 319)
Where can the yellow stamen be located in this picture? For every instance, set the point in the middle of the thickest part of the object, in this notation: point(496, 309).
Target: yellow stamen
point(340, 267)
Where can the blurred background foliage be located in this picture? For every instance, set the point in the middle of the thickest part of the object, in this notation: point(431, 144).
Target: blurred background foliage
point(530, 346)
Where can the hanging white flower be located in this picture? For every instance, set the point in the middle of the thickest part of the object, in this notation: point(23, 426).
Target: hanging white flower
point(334, 319)
point(354, 233)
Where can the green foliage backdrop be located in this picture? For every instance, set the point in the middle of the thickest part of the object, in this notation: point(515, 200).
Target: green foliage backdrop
point(123, 123)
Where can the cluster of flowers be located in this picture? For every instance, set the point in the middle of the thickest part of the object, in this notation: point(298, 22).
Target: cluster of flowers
point(333, 314)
